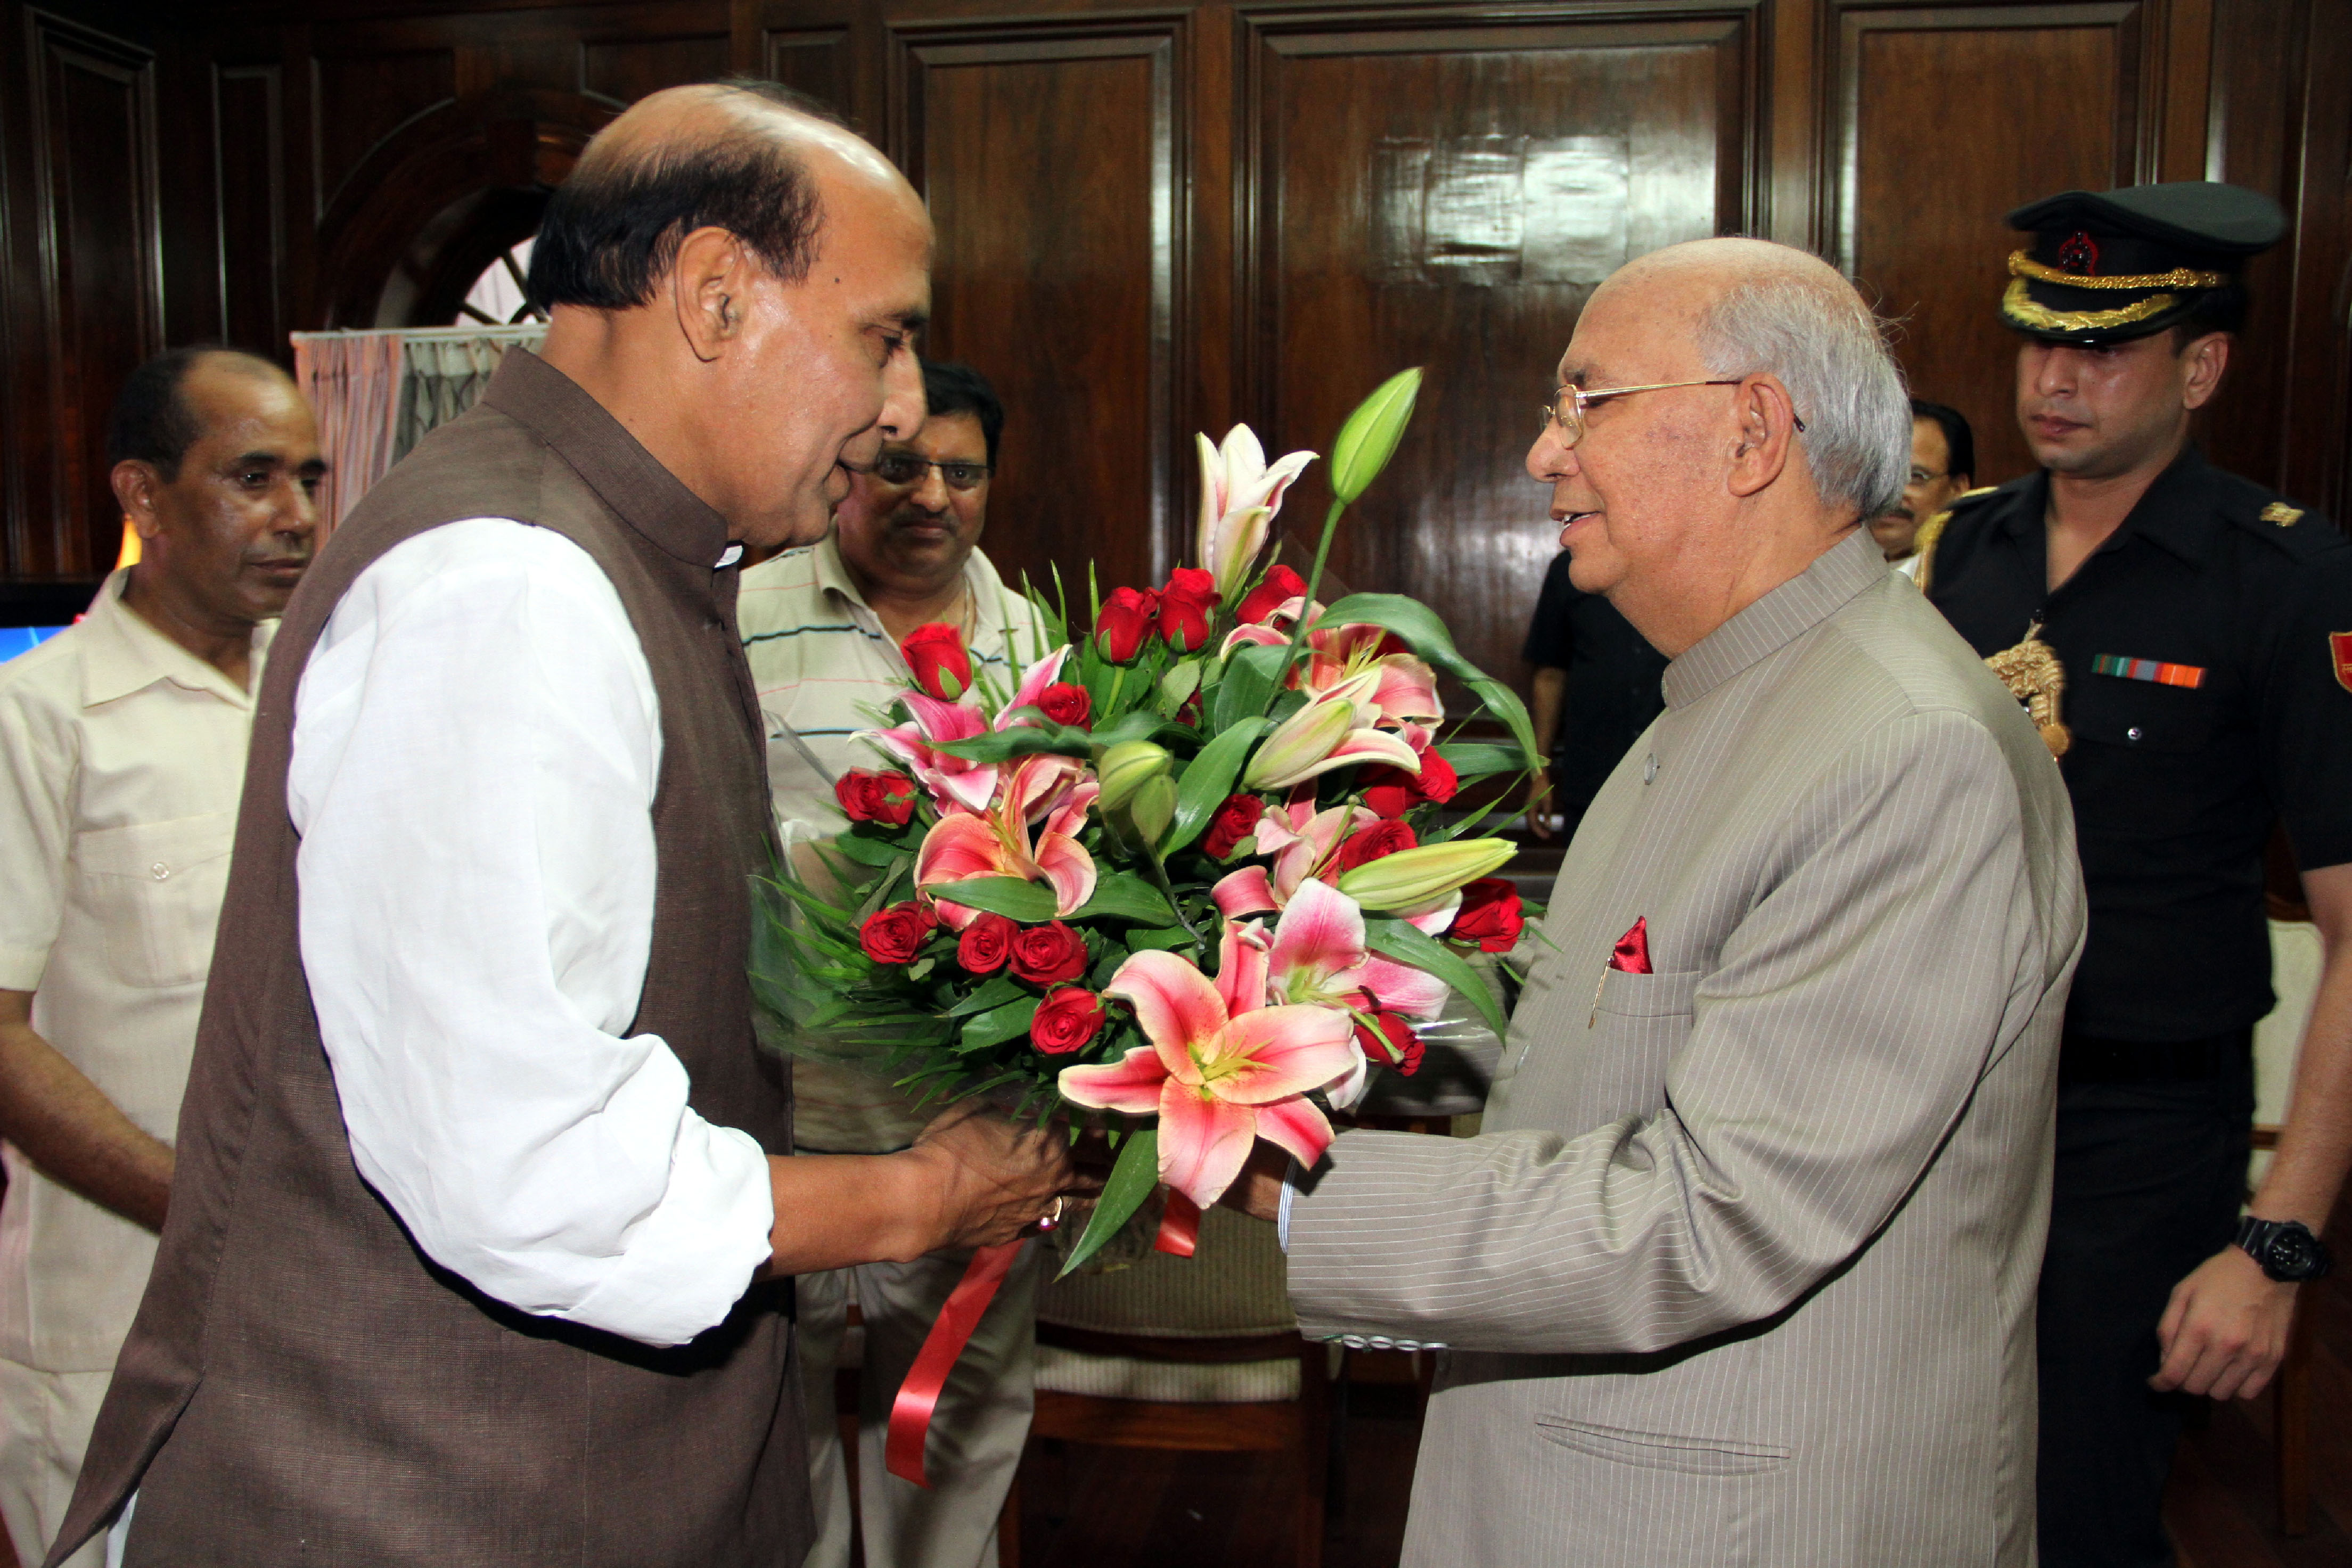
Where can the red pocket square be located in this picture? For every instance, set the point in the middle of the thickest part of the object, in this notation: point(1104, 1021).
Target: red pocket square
point(1632, 954)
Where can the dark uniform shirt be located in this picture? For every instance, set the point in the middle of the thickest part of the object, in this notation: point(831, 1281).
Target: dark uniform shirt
point(2208, 651)
point(1613, 684)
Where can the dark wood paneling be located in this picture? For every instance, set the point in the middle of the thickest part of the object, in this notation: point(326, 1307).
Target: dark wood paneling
point(97, 229)
point(359, 99)
point(2051, 97)
point(1447, 196)
point(1051, 155)
point(249, 121)
point(813, 62)
point(626, 69)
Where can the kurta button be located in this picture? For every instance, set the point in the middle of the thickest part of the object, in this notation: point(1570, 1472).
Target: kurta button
point(158, 871)
point(2132, 733)
point(1649, 769)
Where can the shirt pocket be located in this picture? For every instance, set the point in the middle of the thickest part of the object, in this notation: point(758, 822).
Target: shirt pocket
point(154, 889)
point(1637, 1026)
point(2141, 715)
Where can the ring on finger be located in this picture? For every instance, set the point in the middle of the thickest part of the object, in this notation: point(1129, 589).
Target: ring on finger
point(1052, 1217)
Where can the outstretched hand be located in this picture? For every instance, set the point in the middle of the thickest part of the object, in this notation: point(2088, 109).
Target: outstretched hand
point(994, 1178)
point(2225, 1330)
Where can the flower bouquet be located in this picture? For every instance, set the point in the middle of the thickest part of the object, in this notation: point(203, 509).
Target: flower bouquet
point(1189, 880)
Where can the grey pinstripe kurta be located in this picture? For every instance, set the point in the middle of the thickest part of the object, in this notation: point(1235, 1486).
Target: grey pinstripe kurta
point(1741, 1270)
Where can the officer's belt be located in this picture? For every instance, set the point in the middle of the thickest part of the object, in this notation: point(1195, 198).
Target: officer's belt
point(2088, 1059)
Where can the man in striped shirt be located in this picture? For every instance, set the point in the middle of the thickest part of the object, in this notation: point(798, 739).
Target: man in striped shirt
point(821, 627)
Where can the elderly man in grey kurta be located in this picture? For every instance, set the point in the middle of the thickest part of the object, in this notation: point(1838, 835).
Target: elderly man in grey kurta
point(1741, 1268)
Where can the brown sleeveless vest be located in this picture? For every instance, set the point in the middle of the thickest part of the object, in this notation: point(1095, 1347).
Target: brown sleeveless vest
point(302, 1385)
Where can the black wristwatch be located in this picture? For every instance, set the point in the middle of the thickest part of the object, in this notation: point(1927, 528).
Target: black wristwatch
point(2287, 1248)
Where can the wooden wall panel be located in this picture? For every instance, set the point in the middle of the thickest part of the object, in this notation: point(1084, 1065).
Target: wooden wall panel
point(95, 228)
point(813, 61)
point(2050, 97)
point(358, 96)
point(249, 136)
point(1051, 156)
point(624, 70)
point(1447, 196)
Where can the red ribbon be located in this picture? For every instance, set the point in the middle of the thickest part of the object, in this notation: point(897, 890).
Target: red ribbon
point(1180, 1226)
point(918, 1397)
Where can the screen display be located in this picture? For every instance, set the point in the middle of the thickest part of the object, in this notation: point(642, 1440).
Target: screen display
point(16, 640)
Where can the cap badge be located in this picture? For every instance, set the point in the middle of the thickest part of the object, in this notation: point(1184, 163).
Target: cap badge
point(2282, 514)
point(2079, 255)
point(2339, 647)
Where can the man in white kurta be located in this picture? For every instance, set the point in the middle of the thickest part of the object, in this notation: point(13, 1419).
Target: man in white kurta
point(122, 744)
point(821, 628)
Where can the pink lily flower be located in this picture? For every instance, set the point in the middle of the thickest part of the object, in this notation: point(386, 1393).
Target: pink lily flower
point(1220, 1074)
point(1034, 682)
point(1318, 959)
point(956, 784)
point(1305, 844)
point(963, 845)
point(1239, 497)
point(1405, 690)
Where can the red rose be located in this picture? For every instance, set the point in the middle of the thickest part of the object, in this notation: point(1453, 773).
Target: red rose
point(1185, 605)
point(1049, 954)
point(895, 935)
point(1372, 843)
point(1236, 820)
point(936, 654)
point(1281, 586)
point(985, 944)
point(1065, 704)
point(1066, 1019)
point(1392, 1045)
point(1391, 791)
point(1125, 621)
point(885, 798)
point(1489, 915)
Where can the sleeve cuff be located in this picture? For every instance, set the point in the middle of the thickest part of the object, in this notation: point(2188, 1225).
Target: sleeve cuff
point(690, 1259)
point(21, 969)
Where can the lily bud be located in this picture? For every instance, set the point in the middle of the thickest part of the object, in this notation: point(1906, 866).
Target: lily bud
point(1152, 808)
point(1370, 438)
point(1299, 742)
point(1414, 878)
point(1126, 767)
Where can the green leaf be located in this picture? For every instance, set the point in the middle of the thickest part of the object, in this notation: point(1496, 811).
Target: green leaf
point(1410, 944)
point(1166, 939)
point(1368, 438)
point(1251, 676)
point(1209, 779)
point(998, 1025)
point(1020, 740)
point(996, 993)
point(1119, 895)
point(1419, 625)
point(1028, 901)
point(1470, 761)
point(866, 850)
point(1131, 1181)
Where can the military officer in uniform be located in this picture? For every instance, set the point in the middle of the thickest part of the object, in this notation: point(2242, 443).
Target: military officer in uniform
point(2184, 639)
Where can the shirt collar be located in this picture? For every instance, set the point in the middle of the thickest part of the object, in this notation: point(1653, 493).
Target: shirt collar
point(1777, 618)
point(649, 497)
point(979, 577)
point(123, 652)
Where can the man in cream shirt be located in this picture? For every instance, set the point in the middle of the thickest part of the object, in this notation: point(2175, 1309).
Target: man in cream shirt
point(123, 743)
point(821, 628)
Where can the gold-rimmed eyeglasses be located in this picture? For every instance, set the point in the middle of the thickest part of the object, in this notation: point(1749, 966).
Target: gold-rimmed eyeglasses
point(906, 468)
point(1567, 404)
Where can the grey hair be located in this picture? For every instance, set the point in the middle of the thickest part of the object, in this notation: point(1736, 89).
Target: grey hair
point(1830, 350)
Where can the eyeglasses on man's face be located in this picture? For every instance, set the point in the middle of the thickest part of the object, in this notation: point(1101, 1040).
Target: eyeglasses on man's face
point(1920, 476)
point(906, 468)
point(1567, 404)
